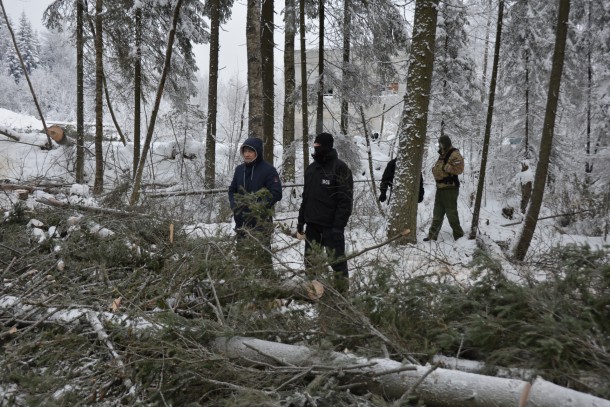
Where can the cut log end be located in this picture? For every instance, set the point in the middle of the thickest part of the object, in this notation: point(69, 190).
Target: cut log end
point(314, 289)
point(56, 133)
point(22, 194)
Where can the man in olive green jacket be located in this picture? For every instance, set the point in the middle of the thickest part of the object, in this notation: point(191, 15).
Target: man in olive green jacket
point(449, 165)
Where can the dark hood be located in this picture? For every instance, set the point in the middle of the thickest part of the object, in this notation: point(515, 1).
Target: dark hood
point(257, 145)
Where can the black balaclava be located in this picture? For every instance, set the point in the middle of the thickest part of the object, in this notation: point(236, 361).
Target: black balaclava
point(325, 141)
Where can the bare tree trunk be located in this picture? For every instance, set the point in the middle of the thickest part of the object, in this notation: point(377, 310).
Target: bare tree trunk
point(304, 104)
point(370, 157)
point(347, 22)
point(137, 90)
point(255, 80)
point(80, 98)
point(588, 162)
point(486, 52)
point(267, 48)
point(111, 110)
point(98, 185)
point(490, 109)
point(135, 194)
point(320, 105)
point(289, 95)
point(210, 138)
point(546, 142)
point(412, 130)
point(107, 94)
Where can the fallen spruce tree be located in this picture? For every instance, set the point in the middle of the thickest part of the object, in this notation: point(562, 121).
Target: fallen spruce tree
point(137, 317)
point(433, 385)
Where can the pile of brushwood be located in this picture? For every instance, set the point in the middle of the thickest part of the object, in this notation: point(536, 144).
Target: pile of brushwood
point(127, 317)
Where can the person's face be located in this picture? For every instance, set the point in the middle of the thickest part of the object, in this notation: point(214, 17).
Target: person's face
point(249, 155)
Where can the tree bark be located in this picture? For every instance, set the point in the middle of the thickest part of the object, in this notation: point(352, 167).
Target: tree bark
point(210, 137)
point(80, 97)
point(490, 109)
point(546, 142)
point(137, 91)
point(98, 185)
point(289, 92)
point(412, 129)
point(135, 195)
point(320, 104)
point(304, 104)
point(347, 22)
point(267, 60)
point(485, 52)
point(255, 83)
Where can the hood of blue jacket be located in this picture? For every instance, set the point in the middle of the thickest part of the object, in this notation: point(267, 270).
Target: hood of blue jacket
point(257, 145)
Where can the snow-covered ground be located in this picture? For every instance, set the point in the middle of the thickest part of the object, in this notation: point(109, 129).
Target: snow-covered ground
point(25, 163)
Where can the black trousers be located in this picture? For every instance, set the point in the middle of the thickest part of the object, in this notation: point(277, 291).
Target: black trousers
point(317, 235)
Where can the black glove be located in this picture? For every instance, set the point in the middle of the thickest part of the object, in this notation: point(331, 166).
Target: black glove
point(240, 233)
point(337, 234)
point(300, 227)
point(382, 196)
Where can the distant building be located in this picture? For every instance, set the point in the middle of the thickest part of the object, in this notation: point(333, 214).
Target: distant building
point(333, 59)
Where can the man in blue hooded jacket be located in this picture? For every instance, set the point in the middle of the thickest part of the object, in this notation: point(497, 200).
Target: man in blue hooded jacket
point(255, 189)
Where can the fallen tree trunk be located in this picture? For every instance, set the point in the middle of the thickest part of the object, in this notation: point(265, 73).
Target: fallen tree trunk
point(9, 133)
point(442, 387)
point(95, 209)
point(436, 387)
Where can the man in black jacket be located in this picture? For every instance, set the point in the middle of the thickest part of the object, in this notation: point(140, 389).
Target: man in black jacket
point(326, 207)
point(387, 179)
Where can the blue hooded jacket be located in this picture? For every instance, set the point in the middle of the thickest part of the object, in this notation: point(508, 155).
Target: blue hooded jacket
point(251, 178)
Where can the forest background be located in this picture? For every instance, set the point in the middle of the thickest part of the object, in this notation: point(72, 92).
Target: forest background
point(383, 92)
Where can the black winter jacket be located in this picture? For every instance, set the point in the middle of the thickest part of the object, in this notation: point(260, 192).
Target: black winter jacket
point(328, 193)
point(387, 179)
